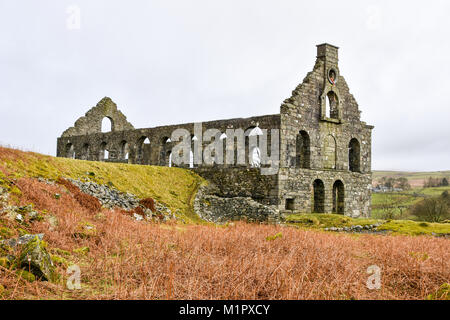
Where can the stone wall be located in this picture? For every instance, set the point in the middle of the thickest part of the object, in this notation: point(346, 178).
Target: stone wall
point(92, 120)
point(298, 184)
point(330, 134)
point(219, 209)
point(243, 183)
point(85, 141)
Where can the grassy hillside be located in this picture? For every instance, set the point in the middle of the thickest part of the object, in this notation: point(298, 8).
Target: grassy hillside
point(174, 187)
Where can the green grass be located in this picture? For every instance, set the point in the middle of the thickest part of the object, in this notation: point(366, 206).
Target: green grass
point(327, 220)
point(405, 227)
point(415, 228)
point(433, 191)
point(404, 198)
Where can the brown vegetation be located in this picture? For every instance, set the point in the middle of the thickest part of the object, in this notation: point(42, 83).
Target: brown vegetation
point(149, 203)
point(85, 200)
point(141, 260)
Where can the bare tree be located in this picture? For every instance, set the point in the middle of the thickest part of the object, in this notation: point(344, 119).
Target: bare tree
point(434, 209)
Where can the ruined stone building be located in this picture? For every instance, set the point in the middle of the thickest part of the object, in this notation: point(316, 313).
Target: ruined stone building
point(325, 148)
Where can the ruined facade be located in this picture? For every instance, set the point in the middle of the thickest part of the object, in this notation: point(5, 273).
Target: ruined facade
point(325, 149)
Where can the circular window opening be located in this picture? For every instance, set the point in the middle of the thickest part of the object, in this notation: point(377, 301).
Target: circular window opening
point(332, 76)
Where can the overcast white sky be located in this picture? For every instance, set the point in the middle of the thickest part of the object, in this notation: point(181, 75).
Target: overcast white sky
point(168, 62)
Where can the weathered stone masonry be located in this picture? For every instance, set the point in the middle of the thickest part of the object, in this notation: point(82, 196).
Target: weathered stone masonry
point(325, 149)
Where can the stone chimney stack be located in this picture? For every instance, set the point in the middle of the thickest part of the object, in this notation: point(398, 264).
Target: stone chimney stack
point(328, 53)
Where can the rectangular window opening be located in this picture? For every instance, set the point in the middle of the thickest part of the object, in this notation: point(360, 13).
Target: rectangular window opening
point(290, 204)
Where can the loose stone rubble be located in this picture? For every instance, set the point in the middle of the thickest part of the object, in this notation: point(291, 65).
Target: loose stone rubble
point(370, 228)
point(108, 197)
point(112, 198)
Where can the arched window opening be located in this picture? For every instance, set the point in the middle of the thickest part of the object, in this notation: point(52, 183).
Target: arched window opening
point(191, 152)
point(124, 150)
point(104, 153)
point(338, 197)
point(163, 149)
point(70, 151)
point(106, 124)
point(318, 200)
point(85, 152)
point(354, 155)
point(255, 160)
point(223, 138)
point(329, 152)
point(165, 140)
point(331, 105)
point(143, 150)
point(248, 152)
point(256, 131)
point(303, 150)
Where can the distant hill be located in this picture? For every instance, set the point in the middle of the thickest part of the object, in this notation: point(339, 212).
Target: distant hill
point(416, 179)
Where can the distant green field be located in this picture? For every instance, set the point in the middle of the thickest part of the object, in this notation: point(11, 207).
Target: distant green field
point(401, 200)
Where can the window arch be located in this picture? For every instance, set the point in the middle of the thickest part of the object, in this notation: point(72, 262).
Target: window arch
point(107, 124)
point(338, 197)
point(163, 150)
point(248, 152)
point(191, 152)
point(70, 151)
point(124, 150)
point(318, 197)
point(303, 150)
point(332, 105)
point(85, 152)
point(165, 140)
point(255, 159)
point(143, 150)
point(104, 153)
point(354, 155)
point(223, 140)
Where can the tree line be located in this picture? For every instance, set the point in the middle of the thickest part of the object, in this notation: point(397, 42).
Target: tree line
point(433, 209)
point(435, 182)
point(390, 182)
